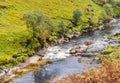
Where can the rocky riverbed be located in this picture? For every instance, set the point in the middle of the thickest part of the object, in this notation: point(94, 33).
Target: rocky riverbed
point(80, 54)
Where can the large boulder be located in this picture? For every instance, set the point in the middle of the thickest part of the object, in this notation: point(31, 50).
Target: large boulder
point(97, 47)
point(78, 50)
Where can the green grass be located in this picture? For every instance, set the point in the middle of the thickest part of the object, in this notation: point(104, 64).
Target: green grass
point(13, 28)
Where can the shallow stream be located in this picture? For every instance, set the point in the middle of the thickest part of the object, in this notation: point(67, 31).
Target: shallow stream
point(67, 64)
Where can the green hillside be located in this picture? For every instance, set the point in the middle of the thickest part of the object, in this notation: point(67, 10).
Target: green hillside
point(13, 29)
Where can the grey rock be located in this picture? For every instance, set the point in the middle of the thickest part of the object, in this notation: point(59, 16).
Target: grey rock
point(70, 36)
point(113, 21)
point(34, 59)
point(101, 27)
point(97, 47)
point(77, 34)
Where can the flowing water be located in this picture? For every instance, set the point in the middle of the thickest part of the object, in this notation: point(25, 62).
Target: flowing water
point(70, 65)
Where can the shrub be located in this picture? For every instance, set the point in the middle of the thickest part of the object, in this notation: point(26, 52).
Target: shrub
point(62, 30)
point(76, 17)
point(13, 61)
point(41, 27)
point(109, 10)
point(21, 59)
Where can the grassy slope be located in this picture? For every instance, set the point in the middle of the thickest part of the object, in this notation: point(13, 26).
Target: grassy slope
point(13, 29)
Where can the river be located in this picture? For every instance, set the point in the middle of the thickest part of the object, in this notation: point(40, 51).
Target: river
point(65, 64)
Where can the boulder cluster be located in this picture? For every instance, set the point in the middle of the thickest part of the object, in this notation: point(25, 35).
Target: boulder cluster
point(88, 49)
point(79, 50)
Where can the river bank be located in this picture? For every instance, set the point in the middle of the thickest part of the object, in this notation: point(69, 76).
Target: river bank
point(55, 54)
point(27, 26)
point(108, 72)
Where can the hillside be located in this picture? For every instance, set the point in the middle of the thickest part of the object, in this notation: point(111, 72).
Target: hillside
point(14, 30)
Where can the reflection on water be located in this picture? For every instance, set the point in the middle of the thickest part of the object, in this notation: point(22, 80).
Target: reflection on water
point(60, 69)
point(28, 78)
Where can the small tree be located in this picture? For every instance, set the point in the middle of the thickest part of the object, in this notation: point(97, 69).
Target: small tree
point(62, 29)
point(76, 17)
point(37, 21)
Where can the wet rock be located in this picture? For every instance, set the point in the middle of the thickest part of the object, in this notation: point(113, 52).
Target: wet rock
point(66, 40)
point(107, 25)
point(41, 52)
point(97, 47)
point(4, 69)
point(87, 43)
point(77, 34)
point(2, 74)
point(77, 50)
point(117, 33)
point(72, 51)
point(14, 69)
point(70, 36)
point(61, 40)
point(8, 73)
point(113, 21)
point(101, 27)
